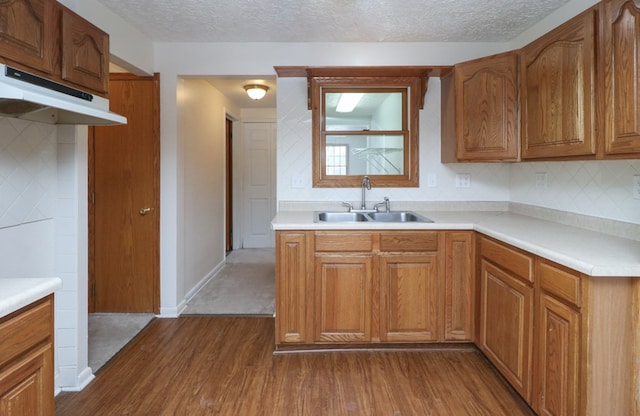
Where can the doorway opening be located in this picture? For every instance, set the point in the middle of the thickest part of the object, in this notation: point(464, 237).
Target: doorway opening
point(229, 185)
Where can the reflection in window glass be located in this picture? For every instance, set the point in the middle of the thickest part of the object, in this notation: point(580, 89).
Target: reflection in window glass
point(371, 111)
point(369, 155)
point(336, 163)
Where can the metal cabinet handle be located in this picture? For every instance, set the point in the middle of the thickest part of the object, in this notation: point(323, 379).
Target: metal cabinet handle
point(145, 211)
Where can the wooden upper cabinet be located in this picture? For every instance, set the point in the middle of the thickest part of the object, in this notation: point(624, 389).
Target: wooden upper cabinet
point(558, 91)
point(481, 118)
point(620, 77)
point(85, 53)
point(27, 30)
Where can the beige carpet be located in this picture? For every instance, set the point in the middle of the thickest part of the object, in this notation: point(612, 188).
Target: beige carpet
point(244, 286)
point(109, 332)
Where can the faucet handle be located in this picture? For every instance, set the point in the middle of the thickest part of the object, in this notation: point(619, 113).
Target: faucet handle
point(348, 205)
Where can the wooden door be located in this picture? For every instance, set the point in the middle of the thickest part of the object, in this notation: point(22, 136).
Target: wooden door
point(487, 116)
point(343, 295)
point(410, 297)
point(619, 74)
point(559, 90)
point(124, 257)
point(506, 325)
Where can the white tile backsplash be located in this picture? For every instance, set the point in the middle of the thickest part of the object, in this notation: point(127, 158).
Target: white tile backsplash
point(489, 182)
point(595, 188)
point(27, 171)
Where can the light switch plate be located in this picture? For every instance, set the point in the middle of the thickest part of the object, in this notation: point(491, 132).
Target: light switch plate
point(297, 181)
point(432, 180)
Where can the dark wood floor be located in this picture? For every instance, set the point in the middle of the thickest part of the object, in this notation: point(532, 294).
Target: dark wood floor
point(225, 366)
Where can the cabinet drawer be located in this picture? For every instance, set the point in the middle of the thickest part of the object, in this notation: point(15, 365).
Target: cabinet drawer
point(409, 241)
point(559, 283)
point(343, 242)
point(21, 331)
point(508, 258)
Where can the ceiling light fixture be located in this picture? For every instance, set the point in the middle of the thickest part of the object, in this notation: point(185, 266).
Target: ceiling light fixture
point(348, 101)
point(256, 91)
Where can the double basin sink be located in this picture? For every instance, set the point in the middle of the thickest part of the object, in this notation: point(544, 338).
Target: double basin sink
point(391, 216)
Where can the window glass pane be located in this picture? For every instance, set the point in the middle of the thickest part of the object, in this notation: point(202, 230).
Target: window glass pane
point(366, 154)
point(336, 163)
point(363, 111)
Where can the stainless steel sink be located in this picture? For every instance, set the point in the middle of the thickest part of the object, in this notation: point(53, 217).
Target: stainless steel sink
point(393, 216)
point(398, 216)
point(328, 216)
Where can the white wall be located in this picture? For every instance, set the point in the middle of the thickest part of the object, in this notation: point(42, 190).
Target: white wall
point(44, 226)
point(202, 114)
point(489, 182)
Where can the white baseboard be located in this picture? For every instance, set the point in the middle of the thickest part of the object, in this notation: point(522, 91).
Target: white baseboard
point(84, 378)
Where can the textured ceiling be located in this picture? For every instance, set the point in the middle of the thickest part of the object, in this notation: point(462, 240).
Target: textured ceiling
point(332, 20)
point(327, 21)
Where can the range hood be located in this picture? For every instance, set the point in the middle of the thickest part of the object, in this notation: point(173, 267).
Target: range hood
point(30, 97)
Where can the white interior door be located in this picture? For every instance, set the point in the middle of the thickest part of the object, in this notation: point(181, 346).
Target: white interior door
point(258, 184)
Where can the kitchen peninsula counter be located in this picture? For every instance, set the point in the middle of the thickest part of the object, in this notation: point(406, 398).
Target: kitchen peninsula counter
point(589, 252)
point(16, 293)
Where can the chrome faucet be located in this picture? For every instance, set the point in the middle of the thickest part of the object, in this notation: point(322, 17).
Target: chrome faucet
point(366, 184)
point(386, 203)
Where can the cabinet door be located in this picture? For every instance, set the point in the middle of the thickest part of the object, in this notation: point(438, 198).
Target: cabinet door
point(27, 33)
point(410, 297)
point(291, 287)
point(558, 91)
point(620, 72)
point(26, 385)
point(343, 294)
point(557, 364)
point(487, 126)
point(459, 286)
point(506, 325)
point(85, 53)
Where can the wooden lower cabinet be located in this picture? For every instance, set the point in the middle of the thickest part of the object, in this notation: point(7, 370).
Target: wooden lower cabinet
point(459, 286)
point(558, 358)
point(340, 287)
point(506, 325)
point(26, 361)
point(291, 286)
point(343, 298)
point(410, 294)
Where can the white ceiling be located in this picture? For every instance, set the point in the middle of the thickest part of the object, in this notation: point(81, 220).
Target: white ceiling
point(328, 21)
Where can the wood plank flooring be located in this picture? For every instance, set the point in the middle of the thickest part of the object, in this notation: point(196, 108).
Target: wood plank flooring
point(225, 366)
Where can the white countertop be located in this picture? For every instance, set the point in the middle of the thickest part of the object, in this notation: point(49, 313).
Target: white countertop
point(589, 252)
point(16, 293)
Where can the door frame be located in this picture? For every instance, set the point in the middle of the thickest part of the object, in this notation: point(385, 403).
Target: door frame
point(156, 185)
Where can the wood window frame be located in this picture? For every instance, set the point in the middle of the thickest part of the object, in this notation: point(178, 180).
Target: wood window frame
point(416, 77)
point(413, 85)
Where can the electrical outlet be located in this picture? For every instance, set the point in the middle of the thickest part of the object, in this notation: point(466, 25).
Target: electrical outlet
point(541, 180)
point(432, 180)
point(636, 186)
point(463, 180)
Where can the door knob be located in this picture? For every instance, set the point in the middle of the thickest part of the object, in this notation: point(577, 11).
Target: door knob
point(145, 211)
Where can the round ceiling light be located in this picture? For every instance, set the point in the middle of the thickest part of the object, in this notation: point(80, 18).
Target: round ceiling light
point(256, 91)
